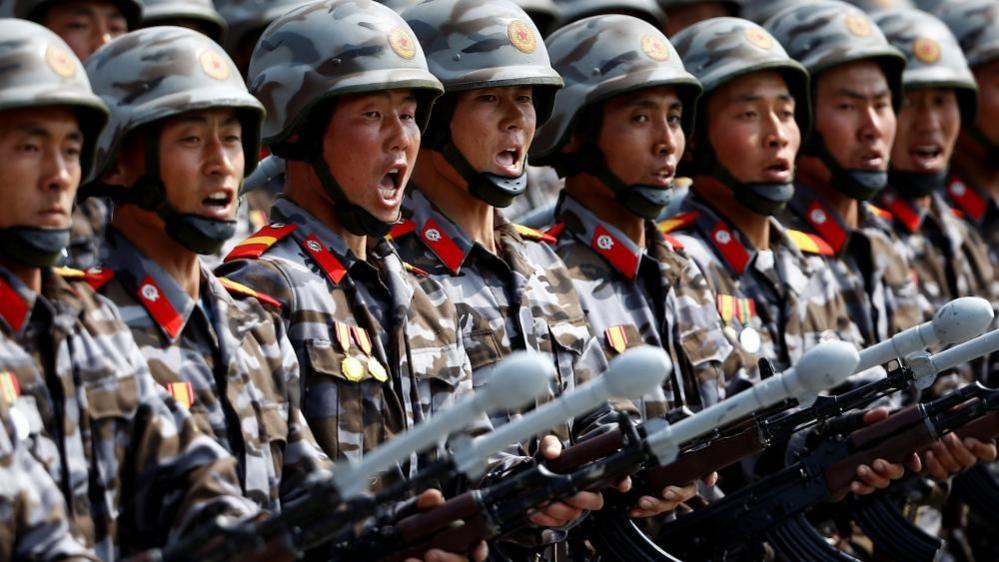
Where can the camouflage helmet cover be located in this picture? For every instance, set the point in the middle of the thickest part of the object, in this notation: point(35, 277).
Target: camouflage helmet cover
point(761, 12)
point(933, 57)
point(732, 5)
point(326, 49)
point(575, 10)
point(605, 56)
point(875, 6)
point(159, 72)
point(35, 9)
point(156, 11)
point(473, 44)
point(720, 50)
point(823, 34)
point(37, 68)
point(245, 17)
point(975, 23)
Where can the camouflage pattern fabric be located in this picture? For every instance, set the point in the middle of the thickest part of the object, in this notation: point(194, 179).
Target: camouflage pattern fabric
point(975, 24)
point(130, 463)
point(979, 210)
point(245, 18)
point(874, 278)
point(574, 10)
point(327, 298)
point(653, 295)
point(90, 219)
point(33, 525)
point(228, 362)
point(169, 12)
point(543, 187)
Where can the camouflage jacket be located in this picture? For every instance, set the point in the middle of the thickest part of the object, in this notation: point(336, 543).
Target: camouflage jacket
point(33, 524)
point(378, 349)
point(873, 276)
point(521, 299)
point(90, 218)
point(652, 295)
point(129, 461)
point(775, 303)
point(228, 362)
point(980, 211)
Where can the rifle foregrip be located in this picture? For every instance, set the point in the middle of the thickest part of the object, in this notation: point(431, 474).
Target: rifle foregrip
point(878, 431)
point(985, 428)
point(693, 465)
point(459, 539)
point(417, 527)
point(894, 450)
point(586, 451)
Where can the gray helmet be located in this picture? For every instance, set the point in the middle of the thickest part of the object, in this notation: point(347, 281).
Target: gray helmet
point(575, 10)
point(975, 24)
point(929, 5)
point(398, 5)
point(761, 12)
point(160, 12)
point(35, 9)
point(323, 50)
point(825, 34)
point(733, 5)
point(38, 69)
point(542, 12)
point(601, 58)
point(474, 44)
point(875, 6)
point(246, 18)
point(148, 75)
point(720, 50)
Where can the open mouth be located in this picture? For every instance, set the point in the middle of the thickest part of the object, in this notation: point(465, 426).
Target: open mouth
point(509, 160)
point(218, 203)
point(779, 171)
point(926, 155)
point(873, 160)
point(390, 186)
point(664, 176)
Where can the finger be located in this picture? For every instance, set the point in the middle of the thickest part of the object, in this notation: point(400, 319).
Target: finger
point(945, 458)
point(888, 470)
point(867, 476)
point(543, 520)
point(680, 493)
point(875, 415)
point(984, 451)
point(429, 499)
point(623, 485)
point(551, 447)
point(559, 510)
point(914, 463)
point(590, 501)
point(481, 552)
point(860, 489)
point(935, 469)
point(711, 479)
point(960, 452)
point(437, 555)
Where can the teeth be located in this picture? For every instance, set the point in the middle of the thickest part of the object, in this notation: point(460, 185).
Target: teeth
point(218, 196)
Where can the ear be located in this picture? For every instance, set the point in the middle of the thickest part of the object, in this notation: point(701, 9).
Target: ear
point(118, 173)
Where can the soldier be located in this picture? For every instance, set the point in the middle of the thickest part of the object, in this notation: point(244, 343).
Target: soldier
point(834, 181)
point(681, 14)
point(378, 347)
point(618, 142)
point(199, 15)
point(129, 462)
point(246, 20)
point(227, 362)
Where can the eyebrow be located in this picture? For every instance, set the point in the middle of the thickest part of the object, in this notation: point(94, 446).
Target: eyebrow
point(202, 120)
point(646, 103)
point(35, 130)
point(744, 98)
point(846, 92)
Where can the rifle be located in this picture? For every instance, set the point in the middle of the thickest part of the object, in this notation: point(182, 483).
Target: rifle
point(503, 508)
point(774, 507)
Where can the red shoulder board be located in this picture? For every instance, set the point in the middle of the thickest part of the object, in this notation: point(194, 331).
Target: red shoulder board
point(678, 222)
point(534, 234)
point(96, 277)
point(555, 230)
point(673, 242)
point(414, 270)
point(241, 290)
point(879, 212)
point(810, 243)
point(255, 246)
point(401, 229)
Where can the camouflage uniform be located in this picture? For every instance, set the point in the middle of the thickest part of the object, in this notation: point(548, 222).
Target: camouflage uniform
point(33, 525)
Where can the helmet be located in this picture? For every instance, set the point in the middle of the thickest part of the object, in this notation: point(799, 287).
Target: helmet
point(934, 60)
point(603, 57)
point(247, 17)
point(35, 9)
point(825, 34)
point(761, 12)
point(575, 10)
point(874, 6)
point(310, 56)
point(720, 50)
point(542, 12)
point(975, 24)
point(733, 5)
point(158, 12)
point(398, 5)
point(40, 70)
point(152, 74)
point(474, 44)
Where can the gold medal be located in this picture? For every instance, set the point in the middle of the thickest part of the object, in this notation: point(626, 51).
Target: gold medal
point(352, 369)
point(376, 370)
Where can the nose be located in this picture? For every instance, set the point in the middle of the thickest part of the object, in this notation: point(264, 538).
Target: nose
point(58, 172)
point(517, 116)
point(668, 140)
point(873, 124)
point(777, 133)
point(219, 161)
point(399, 136)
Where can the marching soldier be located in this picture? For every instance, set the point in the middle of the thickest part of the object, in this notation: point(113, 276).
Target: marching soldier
point(172, 159)
point(618, 143)
point(130, 464)
point(199, 15)
point(379, 348)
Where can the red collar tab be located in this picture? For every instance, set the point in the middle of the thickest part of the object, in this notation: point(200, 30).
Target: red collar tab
point(326, 260)
point(879, 212)
point(12, 307)
point(442, 245)
point(97, 277)
point(903, 212)
point(401, 229)
point(678, 222)
point(616, 252)
point(159, 307)
point(969, 200)
point(414, 270)
point(732, 250)
point(255, 246)
point(825, 223)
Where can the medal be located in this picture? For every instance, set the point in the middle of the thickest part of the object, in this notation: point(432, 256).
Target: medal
point(749, 339)
point(352, 369)
point(376, 370)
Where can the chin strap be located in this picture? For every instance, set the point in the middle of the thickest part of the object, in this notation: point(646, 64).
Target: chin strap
point(33, 246)
point(353, 217)
point(913, 185)
point(763, 198)
point(862, 185)
point(494, 189)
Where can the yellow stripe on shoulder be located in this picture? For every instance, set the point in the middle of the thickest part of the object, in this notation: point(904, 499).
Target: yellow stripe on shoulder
point(678, 222)
point(242, 290)
point(69, 273)
point(878, 211)
point(810, 243)
point(534, 234)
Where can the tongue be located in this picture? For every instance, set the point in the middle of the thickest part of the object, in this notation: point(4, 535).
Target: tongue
point(387, 182)
point(505, 158)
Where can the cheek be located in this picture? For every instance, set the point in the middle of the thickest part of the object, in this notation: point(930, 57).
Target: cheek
point(736, 148)
point(474, 135)
point(623, 147)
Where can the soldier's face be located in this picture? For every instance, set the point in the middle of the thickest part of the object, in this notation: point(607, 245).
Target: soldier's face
point(493, 128)
point(853, 113)
point(752, 130)
point(927, 130)
point(370, 145)
point(86, 25)
point(987, 77)
point(40, 150)
point(641, 136)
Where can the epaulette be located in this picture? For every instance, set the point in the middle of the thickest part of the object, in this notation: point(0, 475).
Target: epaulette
point(414, 270)
point(96, 277)
point(673, 242)
point(534, 234)
point(241, 290)
point(678, 222)
point(810, 243)
point(258, 243)
point(879, 212)
point(555, 230)
point(401, 229)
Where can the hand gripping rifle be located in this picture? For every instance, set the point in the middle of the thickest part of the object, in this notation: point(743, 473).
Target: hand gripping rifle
point(337, 501)
point(504, 508)
point(773, 508)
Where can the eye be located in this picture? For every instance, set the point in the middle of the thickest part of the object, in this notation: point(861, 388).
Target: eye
point(640, 118)
point(29, 147)
point(233, 138)
point(191, 139)
point(673, 120)
point(525, 99)
point(372, 114)
point(748, 114)
point(488, 98)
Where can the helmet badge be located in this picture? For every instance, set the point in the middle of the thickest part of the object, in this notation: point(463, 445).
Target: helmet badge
point(214, 65)
point(759, 38)
point(401, 43)
point(654, 48)
point(522, 37)
point(857, 25)
point(926, 50)
point(60, 61)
